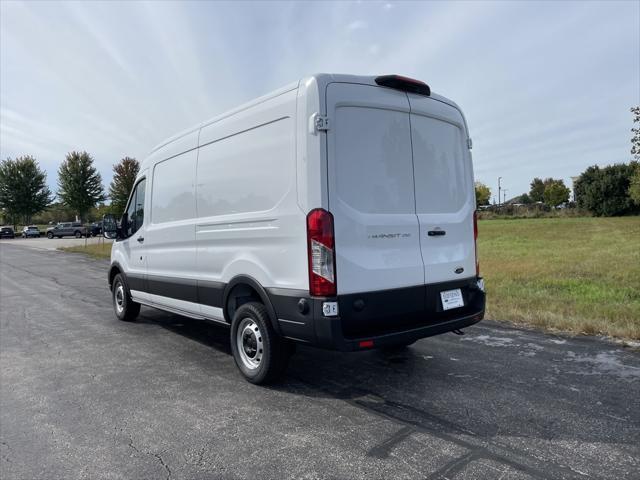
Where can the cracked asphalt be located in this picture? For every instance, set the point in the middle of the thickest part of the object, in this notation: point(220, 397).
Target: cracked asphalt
point(83, 395)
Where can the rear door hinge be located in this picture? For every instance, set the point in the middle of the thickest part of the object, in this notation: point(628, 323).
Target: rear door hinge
point(318, 123)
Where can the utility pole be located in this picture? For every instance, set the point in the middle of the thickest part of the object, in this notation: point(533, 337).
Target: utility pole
point(504, 190)
point(499, 178)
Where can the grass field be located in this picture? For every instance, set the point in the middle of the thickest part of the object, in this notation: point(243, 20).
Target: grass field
point(95, 250)
point(579, 275)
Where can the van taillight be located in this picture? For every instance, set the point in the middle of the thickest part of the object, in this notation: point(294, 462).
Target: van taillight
point(321, 252)
point(475, 241)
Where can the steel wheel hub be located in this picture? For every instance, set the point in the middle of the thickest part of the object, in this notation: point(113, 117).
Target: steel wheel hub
point(249, 343)
point(119, 298)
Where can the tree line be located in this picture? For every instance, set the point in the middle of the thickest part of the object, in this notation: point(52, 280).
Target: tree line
point(24, 193)
point(603, 191)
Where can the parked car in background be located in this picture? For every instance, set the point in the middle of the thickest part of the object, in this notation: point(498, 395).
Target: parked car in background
point(30, 231)
point(7, 232)
point(95, 229)
point(67, 229)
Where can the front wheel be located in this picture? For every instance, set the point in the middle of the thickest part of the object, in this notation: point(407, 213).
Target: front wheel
point(124, 307)
point(78, 234)
point(260, 354)
point(50, 236)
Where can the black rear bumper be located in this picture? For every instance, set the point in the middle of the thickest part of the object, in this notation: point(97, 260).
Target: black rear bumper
point(376, 319)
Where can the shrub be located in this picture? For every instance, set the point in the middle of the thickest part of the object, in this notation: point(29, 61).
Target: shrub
point(605, 191)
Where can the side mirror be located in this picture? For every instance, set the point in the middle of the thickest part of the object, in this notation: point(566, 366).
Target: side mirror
point(109, 226)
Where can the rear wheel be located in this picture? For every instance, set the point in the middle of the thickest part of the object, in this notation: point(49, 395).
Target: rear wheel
point(124, 307)
point(260, 354)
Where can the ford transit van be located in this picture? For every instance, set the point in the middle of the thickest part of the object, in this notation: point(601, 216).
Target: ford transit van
point(337, 212)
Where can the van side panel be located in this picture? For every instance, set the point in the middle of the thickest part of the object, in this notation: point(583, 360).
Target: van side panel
point(170, 228)
point(249, 222)
point(311, 165)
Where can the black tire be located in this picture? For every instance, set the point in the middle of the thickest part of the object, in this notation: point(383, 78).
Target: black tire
point(125, 309)
point(272, 359)
point(50, 235)
point(78, 234)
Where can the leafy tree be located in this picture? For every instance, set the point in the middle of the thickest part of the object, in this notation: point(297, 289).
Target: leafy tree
point(56, 212)
point(555, 192)
point(635, 139)
point(634, 184)
point(537, 190)
point(79, 183)
point(99, 211)
point(23, 189)
point(605, 191)
point(124, 175)
point(524, 199)
point(483, 194)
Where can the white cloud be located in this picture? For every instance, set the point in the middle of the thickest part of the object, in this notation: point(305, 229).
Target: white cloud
point(357, 25)
point(546, 88)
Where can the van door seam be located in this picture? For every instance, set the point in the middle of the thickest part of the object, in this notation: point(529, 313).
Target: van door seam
point(415, 196)
point(195, 228)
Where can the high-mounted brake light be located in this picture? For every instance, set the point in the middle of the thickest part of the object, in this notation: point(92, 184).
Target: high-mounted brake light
point(475, 240)
point(404, 83)
point(321, 253)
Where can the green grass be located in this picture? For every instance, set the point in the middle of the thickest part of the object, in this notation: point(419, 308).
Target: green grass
point(94, 250)
point(579, 275)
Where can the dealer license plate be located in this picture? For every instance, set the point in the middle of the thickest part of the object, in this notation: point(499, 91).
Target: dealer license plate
point(451, 299)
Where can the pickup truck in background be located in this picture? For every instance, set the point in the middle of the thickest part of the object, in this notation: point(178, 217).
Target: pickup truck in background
point(67, 229)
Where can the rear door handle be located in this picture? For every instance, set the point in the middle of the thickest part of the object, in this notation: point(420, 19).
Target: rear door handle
point(436, 233)
point(140, 239)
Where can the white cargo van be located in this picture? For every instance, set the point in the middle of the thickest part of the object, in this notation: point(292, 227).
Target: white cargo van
point(337, 212)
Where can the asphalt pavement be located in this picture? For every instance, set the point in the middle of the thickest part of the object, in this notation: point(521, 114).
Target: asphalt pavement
point(45, 243)
point(83, 395)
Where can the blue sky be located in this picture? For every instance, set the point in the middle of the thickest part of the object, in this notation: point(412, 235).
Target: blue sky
point(546, 86)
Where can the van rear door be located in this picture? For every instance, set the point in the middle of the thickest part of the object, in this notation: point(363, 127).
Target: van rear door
point(371, 191)
point(445, 197)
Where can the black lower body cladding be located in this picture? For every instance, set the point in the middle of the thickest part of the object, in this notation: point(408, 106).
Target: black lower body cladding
point(384, 317)
point(379, 318)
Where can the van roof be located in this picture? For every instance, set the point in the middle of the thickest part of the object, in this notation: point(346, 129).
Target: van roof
point(322, 80)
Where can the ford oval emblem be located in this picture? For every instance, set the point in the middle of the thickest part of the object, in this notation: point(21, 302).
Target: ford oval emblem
point(459, 270)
